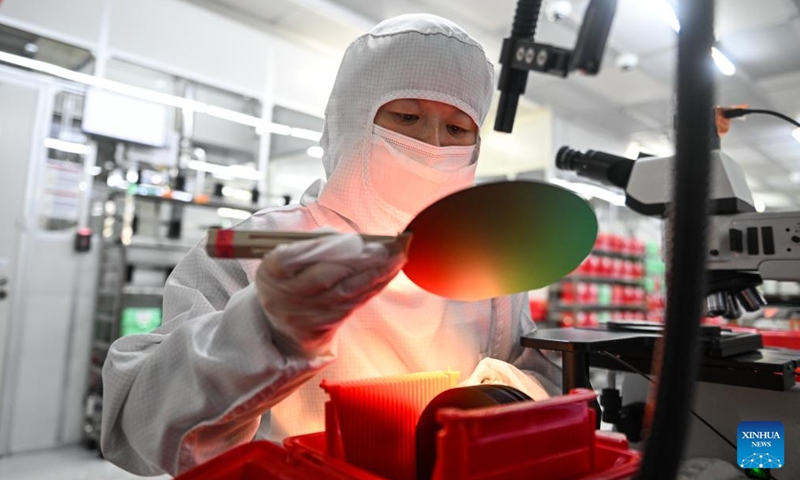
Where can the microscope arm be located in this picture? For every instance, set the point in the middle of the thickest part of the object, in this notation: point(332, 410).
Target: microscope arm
point(744, 246)
point(763, 243)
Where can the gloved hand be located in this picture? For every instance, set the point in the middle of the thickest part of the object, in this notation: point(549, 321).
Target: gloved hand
point(308, 288)
point(493, 371)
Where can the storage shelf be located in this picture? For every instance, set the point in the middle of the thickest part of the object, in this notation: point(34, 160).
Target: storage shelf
point(624, 256)
point(108, 292)
point(159, 245)
point(136, 290)
point(785, 300)
point(104, 317)
point(590, 279)
point(596, 308)
point(209, 204)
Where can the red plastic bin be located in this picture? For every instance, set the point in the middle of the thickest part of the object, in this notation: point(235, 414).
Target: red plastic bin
point(552, 439)
point(781, 338)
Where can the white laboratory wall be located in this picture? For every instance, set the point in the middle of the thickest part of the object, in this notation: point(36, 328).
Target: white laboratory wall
point(303, 78)
point(186, 40)
point(79, 19)
point(580, 137)
point(291, 175)
point(536, 137)
point(527, 148)
point(191, 39)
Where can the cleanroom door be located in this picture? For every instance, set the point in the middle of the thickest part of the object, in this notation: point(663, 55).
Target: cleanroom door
point(18, 119)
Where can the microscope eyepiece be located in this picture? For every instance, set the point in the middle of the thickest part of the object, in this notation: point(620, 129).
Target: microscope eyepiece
point(565, 158)
point(603, 167)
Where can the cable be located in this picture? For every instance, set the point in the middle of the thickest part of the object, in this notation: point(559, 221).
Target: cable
point(740, 112)
point(696, 415)
point(676, 359)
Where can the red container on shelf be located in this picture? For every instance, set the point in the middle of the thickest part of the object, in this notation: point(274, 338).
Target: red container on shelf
point(627, 295)
point(606, 267)
point(617, 244)
point(781, 338)
point(538, 309)
point(602, 242)
point(637, 270)
point(582, 292)
point(592, 266)
point(639, 296)
point(628, 247)
point(639, 248)
point(568, 294)
point(617, 269)
point(617, 295)
point(627, 270)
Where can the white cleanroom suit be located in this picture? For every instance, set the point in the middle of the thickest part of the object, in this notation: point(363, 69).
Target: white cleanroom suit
point(217, 375)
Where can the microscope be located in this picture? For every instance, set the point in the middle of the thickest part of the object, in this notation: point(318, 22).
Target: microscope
point(744, 246)
point(726, 377)
point(739, 380)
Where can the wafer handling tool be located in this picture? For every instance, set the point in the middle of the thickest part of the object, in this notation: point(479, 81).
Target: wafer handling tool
point(482, 242)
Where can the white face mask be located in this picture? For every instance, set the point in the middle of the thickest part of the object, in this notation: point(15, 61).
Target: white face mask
point(445, 159)
point(409, 175)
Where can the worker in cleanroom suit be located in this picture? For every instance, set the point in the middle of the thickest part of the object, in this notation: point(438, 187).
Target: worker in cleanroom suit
point(245, 343)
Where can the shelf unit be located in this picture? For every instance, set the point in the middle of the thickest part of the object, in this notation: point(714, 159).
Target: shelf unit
point(611, 284)
point(127, 302)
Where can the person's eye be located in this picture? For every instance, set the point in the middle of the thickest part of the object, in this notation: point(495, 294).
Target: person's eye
point(406, 117)
point(457, 131)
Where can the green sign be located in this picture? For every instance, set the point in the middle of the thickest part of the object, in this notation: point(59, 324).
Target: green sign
point(136, 320)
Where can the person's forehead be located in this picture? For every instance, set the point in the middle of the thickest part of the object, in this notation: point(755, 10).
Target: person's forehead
point(428, 105)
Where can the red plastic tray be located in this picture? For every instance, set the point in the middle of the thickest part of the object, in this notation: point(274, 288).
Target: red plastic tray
point(781, 338)
point(553, 439)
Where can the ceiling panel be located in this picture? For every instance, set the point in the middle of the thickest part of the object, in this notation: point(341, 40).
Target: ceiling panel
point(264, 11)
point(781, 183)
point(764, 52)
point(622, 87)
point(566, 99)
point(732, 16)
point(743, 154)
point(764, 171)
point(637, 28)
point(561, 34)
point(614, 119)
point(770, 135)
point(658, 113)
point(736, 91)
point(319, 27)
point(660, 65)
point(495, 16)
point(785, 144)
point(376, 11)
point(787, 154)
point(784, 92)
